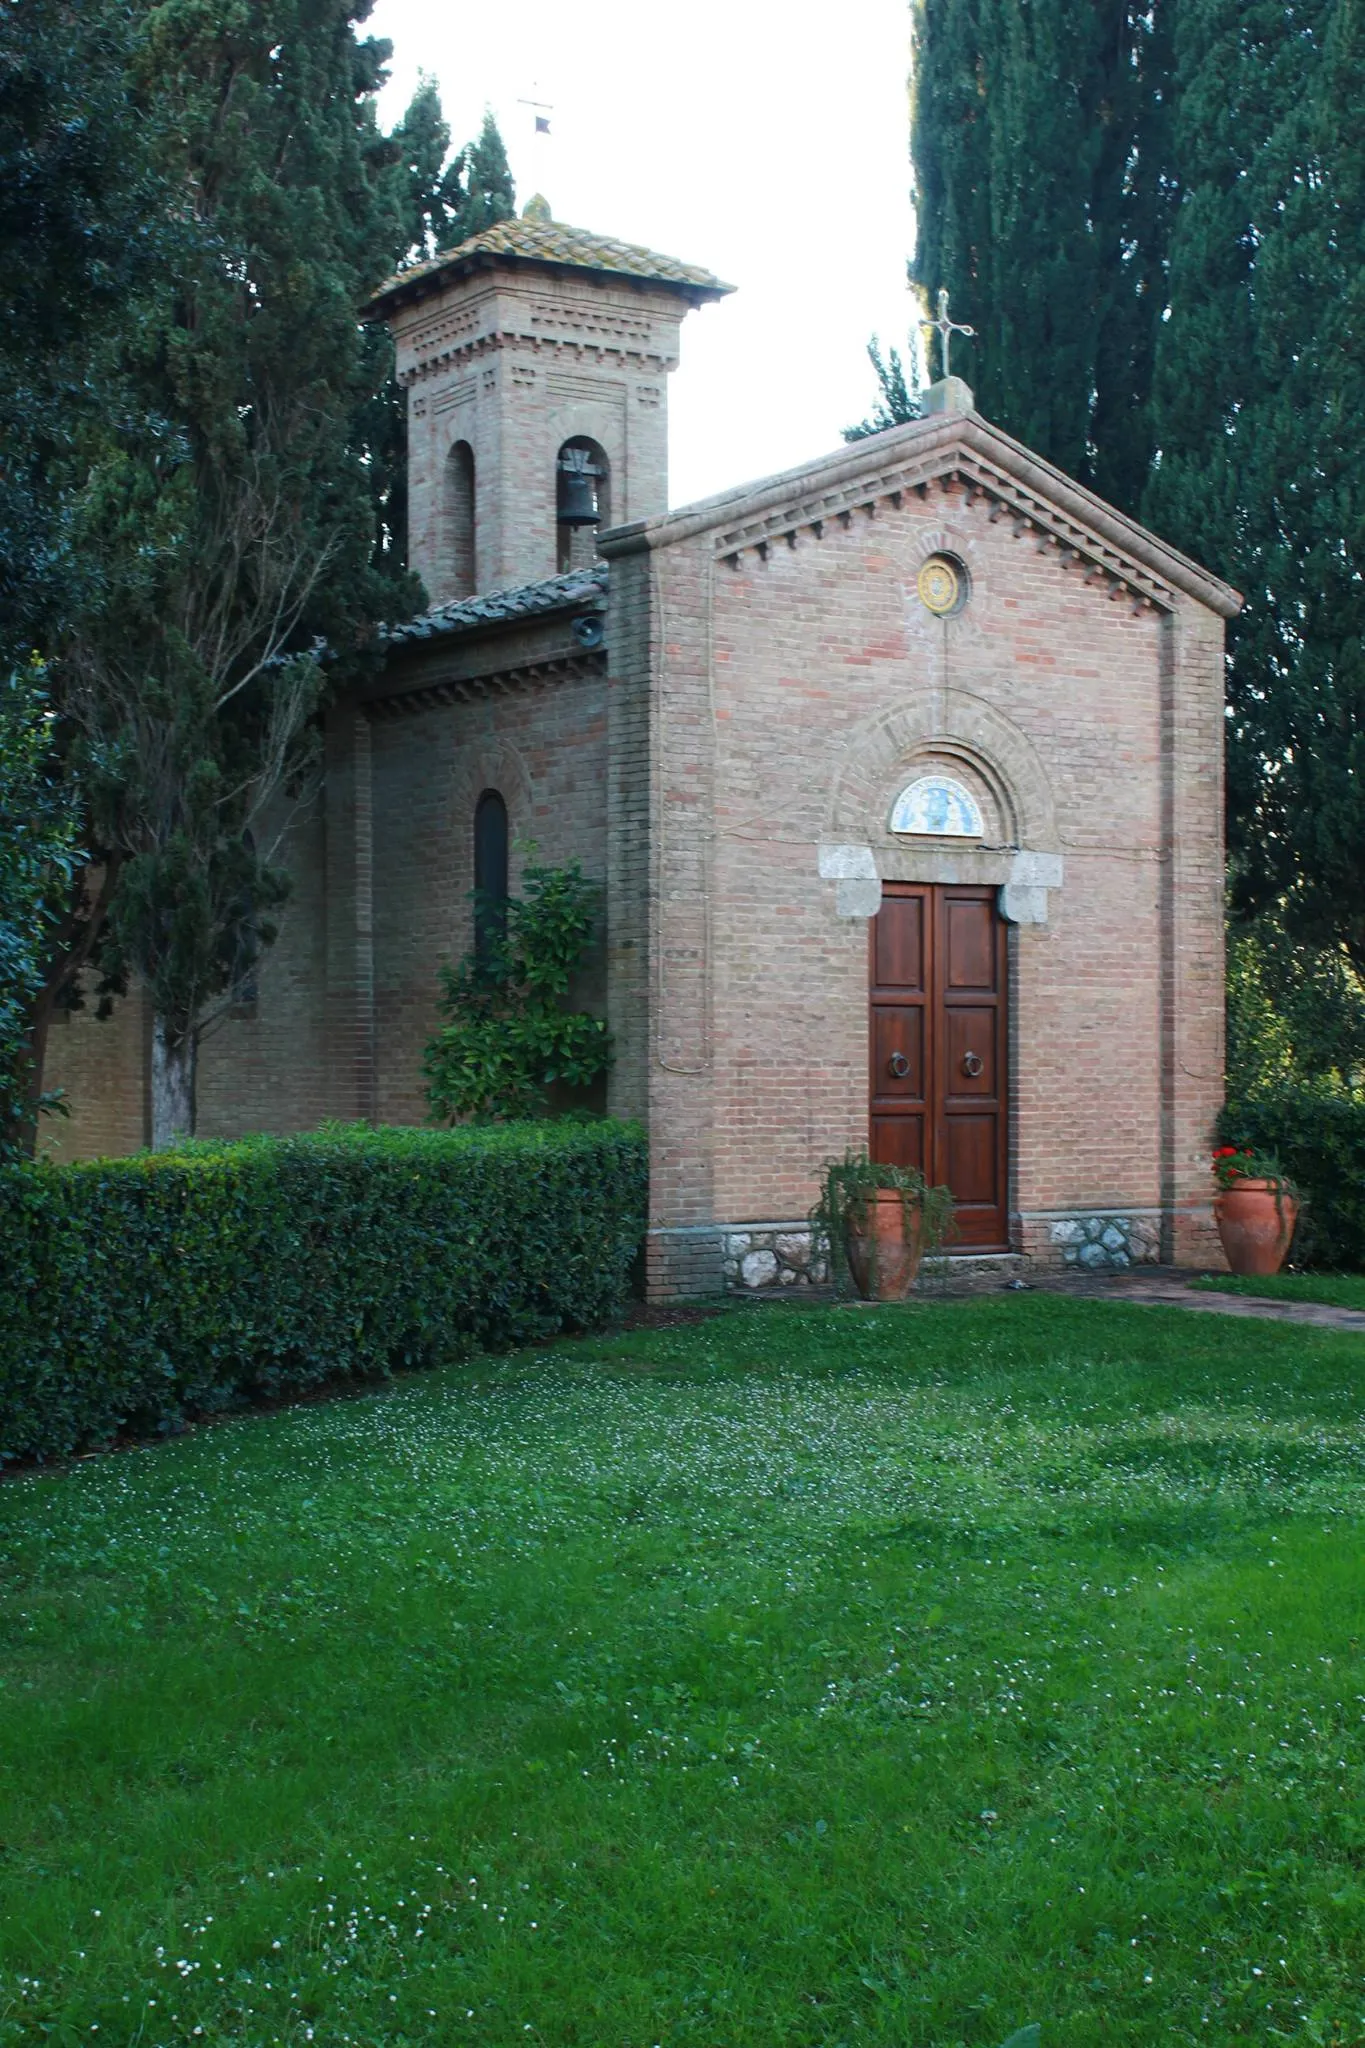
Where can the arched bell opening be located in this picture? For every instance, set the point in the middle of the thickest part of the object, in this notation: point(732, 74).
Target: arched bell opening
point(582, 501)
point(461, 564)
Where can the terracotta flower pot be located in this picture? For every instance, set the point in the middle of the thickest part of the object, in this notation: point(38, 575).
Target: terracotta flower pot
point(882, 1256)
point(1255, 1222)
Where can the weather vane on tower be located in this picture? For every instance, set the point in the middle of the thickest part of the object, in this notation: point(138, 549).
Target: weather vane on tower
point(945, 328)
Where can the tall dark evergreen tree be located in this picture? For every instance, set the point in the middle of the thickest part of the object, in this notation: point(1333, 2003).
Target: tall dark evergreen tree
point(81, 227)
point(1155, 218)
point(489, 195)
point(1260, 414)
point(232, 516)
point(202, 463)
point(86, 223)
point(442, 200)
point(898, 396)
point(446, 198)
point(1041, 161)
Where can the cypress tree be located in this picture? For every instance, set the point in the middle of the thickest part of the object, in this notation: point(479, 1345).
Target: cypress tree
point(81, 228)
point(488, 191)
point(232, 515)
point(445, 199)
point(1260, 399)
point(1155, 219)
point(1040, 150)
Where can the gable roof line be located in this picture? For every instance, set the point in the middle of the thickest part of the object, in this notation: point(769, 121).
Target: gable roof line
point(1064, 514)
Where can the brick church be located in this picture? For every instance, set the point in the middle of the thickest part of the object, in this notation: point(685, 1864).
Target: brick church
point(901, 771)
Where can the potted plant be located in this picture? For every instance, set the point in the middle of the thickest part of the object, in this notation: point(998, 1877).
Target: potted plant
point(1255, 1208)
point(876, 1222)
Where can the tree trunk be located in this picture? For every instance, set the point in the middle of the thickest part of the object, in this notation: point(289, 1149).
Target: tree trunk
point(35, 1059)
point(174, 1057)
point(71, 947)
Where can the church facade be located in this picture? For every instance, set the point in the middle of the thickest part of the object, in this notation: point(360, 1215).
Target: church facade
point(901, 773)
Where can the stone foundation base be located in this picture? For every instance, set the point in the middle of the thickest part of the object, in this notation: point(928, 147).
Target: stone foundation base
point(1093, 1240)
point(768, 1258)
point(771, 1255)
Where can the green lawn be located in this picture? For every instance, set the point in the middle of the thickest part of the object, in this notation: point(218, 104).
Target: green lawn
point(843, 1676)
point(1339, 1290)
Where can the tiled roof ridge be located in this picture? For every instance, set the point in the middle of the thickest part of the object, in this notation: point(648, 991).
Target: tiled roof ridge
point(552, 241)
point(524, 601)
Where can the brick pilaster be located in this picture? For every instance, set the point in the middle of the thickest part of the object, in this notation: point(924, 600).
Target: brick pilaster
point(349, 1037)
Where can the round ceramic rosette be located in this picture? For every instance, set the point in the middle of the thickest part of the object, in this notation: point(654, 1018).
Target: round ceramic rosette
point(942, 585)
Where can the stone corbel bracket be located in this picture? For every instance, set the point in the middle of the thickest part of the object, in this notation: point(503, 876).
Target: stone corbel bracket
point(852, 869)
point(1024, 881)
point(1023, 898)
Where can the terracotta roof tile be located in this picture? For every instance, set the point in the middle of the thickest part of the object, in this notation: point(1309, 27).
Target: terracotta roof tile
point(539, 240)
point(581, 590)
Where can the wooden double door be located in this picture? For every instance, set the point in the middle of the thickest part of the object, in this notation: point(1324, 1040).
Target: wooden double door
point(939, 1038)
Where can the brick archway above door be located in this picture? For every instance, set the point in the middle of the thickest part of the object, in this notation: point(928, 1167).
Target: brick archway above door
point(938, 1044)
point(928, 722)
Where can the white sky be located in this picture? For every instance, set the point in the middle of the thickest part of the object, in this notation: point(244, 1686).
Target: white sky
point(765, 139)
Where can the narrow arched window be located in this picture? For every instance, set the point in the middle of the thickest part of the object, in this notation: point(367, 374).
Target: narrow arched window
point(461, 565)
point(582, 501)
point(490, 871)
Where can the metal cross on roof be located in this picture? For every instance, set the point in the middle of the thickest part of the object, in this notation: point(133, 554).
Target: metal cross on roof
point(945, 328)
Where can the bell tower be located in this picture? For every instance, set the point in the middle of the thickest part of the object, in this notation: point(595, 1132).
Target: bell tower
point(536, 360)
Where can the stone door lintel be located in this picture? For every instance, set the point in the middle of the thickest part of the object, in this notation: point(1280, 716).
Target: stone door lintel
point(1023, 877)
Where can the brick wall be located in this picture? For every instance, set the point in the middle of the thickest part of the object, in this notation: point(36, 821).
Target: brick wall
point(264, 1066)
point(101, 1069)
point(792, 689)
point(760, 701)
point(382, 867)
point(543, 748)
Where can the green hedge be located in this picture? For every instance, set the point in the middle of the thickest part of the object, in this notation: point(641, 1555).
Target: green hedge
point(135, 1292)
point(1319, 1138)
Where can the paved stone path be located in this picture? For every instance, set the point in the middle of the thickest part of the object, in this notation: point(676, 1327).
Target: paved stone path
point(1164, 1287)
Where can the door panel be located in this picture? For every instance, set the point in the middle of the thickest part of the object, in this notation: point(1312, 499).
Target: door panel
point(971, 1052)
point(969, 942)
point(898, 1054)
point(899, 1140)
point(899, 942)
point(938, 1048)
point(969, 1168)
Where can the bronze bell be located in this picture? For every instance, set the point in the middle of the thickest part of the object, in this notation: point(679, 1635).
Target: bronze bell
point(577, 489)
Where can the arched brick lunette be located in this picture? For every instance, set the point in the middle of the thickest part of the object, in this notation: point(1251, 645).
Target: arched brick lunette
point(490, 763)
point(942, 724)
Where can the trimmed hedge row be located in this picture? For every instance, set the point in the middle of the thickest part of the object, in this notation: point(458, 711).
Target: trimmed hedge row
point(135, 1292)
point(1319, 1139)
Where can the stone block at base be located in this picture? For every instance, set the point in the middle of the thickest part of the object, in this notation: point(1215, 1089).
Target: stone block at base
point(683, 1265)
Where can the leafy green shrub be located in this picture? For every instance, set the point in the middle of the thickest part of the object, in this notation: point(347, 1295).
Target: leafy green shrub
point(138, 1291)
point(1295, 1014)
point(507, 1038)
point(1318, 1136)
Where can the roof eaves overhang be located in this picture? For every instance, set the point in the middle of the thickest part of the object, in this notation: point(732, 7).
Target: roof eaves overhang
point(581, 593)
point(426, 279)
point(957, 447)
